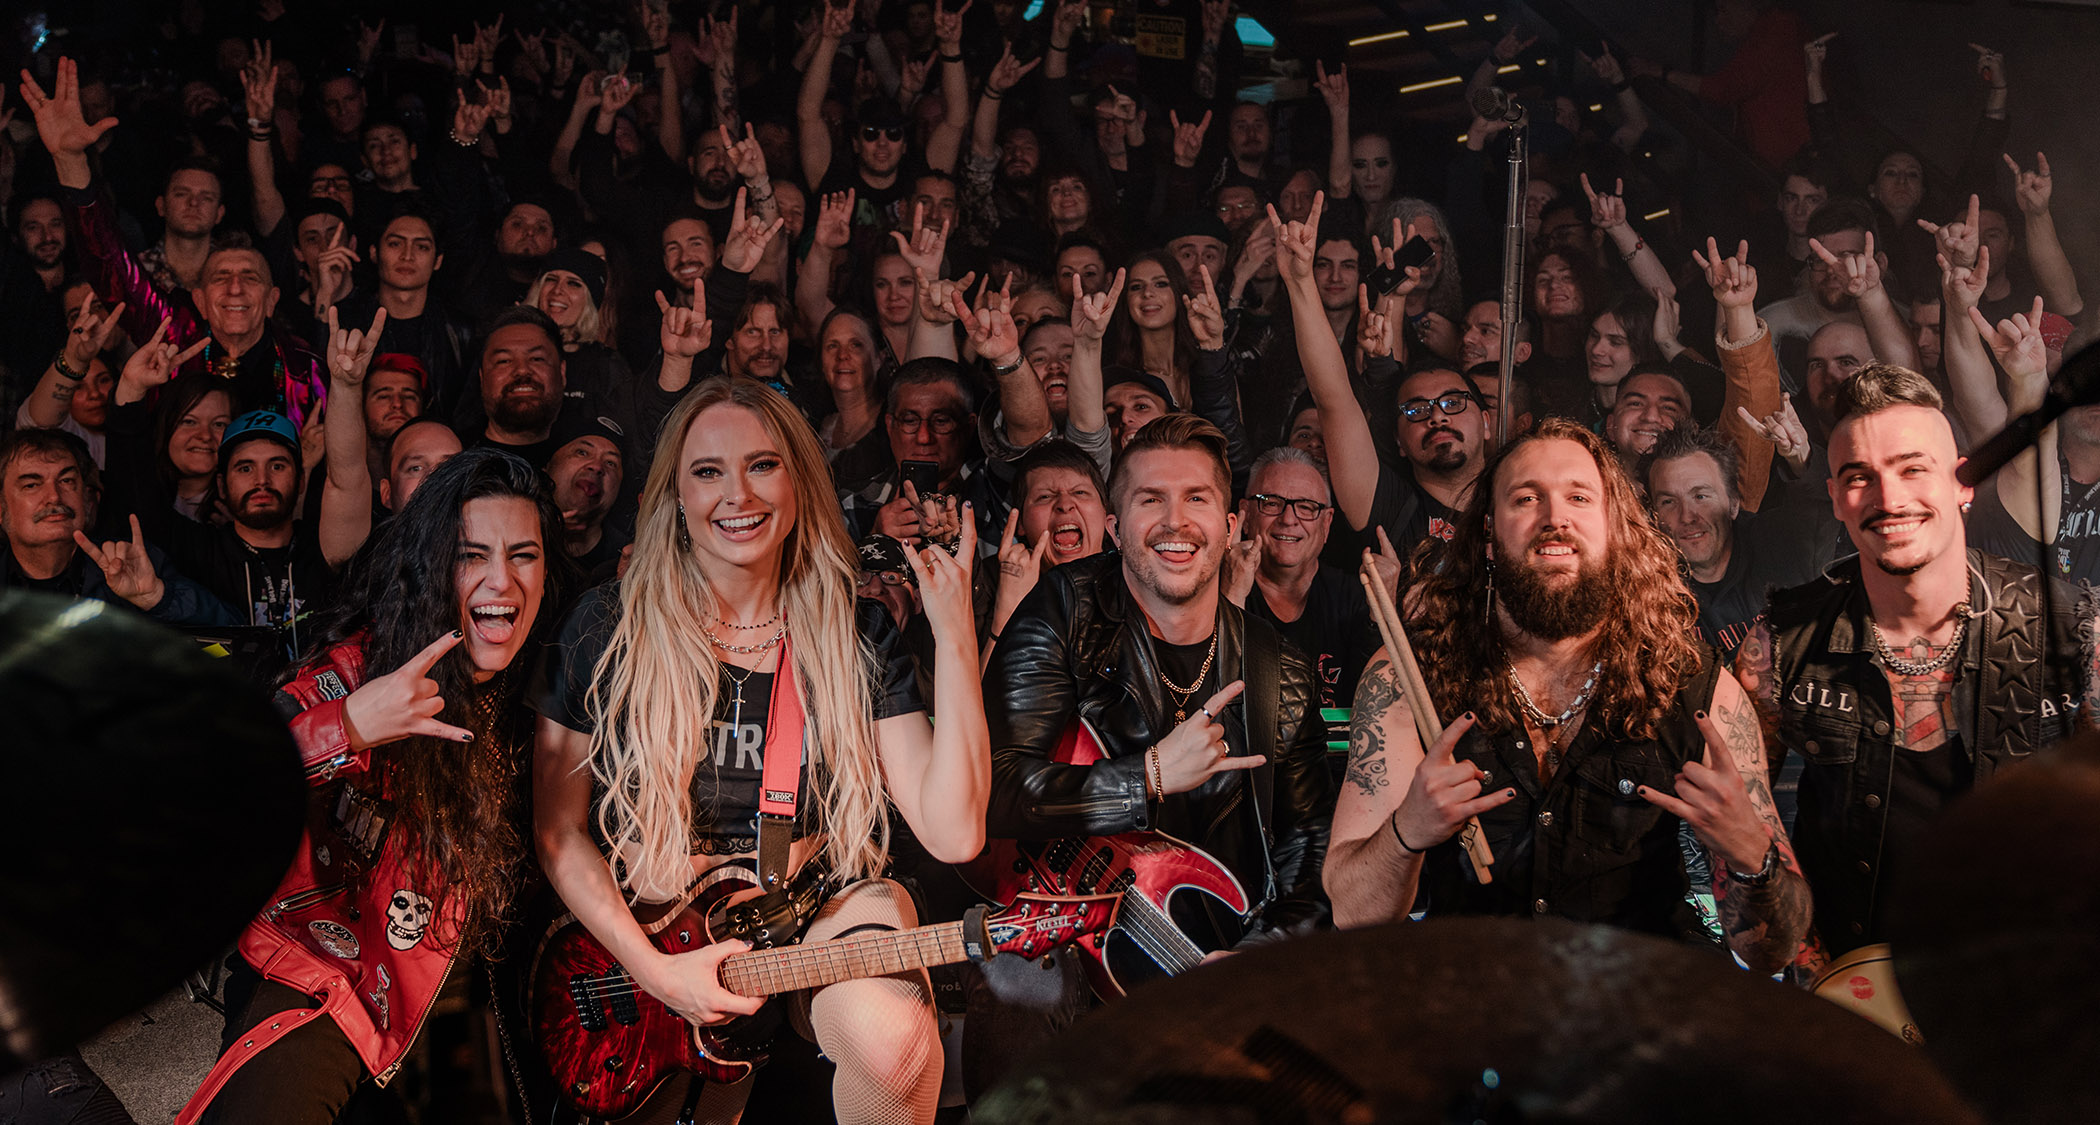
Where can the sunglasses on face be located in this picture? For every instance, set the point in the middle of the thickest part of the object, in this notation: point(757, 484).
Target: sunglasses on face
point(1451, 405)
point(869, 133)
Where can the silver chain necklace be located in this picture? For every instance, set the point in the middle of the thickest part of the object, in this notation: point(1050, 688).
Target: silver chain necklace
point(746, 650)
point(1531, 710)
point(1946, 656)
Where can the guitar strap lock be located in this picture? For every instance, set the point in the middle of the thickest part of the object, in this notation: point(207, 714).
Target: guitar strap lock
point(780, 781)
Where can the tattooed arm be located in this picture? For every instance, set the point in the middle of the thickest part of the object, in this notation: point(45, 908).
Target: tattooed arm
point(1758, 677)
point(2089, 714)
point(1396, 803)
point(1733, 813)
point(1369, 877)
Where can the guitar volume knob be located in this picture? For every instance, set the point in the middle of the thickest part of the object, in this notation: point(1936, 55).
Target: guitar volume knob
point(613, 1063)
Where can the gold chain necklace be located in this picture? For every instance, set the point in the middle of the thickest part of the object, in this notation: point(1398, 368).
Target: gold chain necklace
point(1184, 694)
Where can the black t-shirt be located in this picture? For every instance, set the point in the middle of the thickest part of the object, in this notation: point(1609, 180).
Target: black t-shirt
point(2075, 557)
point(1407, 513)
point(1335, 631)
point(279, 588)
point(1762, 559)
point(1187, 666)
point(536, 454)
point(725, 785)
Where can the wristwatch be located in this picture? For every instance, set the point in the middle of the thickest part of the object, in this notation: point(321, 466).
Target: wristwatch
point(1764, 874)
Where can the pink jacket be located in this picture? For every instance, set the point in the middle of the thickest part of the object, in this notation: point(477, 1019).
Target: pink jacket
point(361, 939)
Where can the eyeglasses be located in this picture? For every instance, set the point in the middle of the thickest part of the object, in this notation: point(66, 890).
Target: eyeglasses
point(335, 183)
point(1452, 405)
point(1306, 510)
point(868, 133)
point(941, 421)
point(1235, 208)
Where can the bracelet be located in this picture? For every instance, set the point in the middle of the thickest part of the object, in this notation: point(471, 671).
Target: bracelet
point(1002, 370)
point(1159, 780)
point(1621, 86)
point(261, 136)
point(58, 363)
point(1402, 840)
point(957, 57)
point(992, 94)
point(1056, 46)
point(454, 134)
point(1639, 244)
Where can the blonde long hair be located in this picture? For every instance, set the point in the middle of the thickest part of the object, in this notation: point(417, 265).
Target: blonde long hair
point(653, 692)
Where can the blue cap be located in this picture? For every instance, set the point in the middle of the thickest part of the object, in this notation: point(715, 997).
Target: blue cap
point(258, 424)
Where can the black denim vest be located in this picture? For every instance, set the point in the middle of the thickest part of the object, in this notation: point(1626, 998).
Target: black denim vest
point(1836, 710)
point(1583, 845)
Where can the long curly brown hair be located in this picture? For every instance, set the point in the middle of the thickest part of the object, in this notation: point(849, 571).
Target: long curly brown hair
point(1647, 643)
point(462, 809)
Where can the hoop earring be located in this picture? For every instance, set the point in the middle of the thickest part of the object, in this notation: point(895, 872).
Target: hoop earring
point(685, 537)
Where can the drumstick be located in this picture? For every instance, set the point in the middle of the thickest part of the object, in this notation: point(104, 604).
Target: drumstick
point(1416, 691)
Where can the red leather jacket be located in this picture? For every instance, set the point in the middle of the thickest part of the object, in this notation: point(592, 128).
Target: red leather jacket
point(345, 927)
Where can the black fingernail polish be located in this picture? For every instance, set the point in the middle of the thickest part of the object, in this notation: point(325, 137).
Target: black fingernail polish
point(459, 633)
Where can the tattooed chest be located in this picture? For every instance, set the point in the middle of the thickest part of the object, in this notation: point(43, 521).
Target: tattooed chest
point(1924, 707)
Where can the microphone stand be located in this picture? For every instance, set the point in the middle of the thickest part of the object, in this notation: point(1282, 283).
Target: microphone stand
point(1512, 267)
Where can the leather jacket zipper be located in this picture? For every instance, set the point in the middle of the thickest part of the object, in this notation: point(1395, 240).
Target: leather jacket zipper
point(387, 1075)
point(302, 900)
point(1090, 806)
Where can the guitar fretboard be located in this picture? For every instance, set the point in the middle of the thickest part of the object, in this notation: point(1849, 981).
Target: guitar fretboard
point(764, 972)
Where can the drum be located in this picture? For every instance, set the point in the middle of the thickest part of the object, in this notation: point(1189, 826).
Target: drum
point(1864, 981)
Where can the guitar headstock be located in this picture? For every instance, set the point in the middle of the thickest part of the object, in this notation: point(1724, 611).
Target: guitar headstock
point(1036, 924)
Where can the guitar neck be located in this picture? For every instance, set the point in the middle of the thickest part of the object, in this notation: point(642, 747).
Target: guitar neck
point(764, 972)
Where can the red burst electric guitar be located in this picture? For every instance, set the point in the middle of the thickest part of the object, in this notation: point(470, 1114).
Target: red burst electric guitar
point(610, 1045)
point(1179, 903)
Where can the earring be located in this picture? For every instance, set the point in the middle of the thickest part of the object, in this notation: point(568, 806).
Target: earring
point(1966, 505)
point(685, 537)
point(1487, 613)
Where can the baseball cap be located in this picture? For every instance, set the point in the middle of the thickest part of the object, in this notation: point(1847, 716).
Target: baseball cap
point(254, 425)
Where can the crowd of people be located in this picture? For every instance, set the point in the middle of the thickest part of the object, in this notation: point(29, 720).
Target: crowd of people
point(590, 417)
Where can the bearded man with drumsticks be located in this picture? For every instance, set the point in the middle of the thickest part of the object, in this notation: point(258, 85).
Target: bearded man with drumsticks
point(1588, 722)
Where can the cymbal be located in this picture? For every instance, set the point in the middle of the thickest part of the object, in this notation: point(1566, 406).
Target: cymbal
point(1995, 929)
point(1474, 1019)
point(153, 802)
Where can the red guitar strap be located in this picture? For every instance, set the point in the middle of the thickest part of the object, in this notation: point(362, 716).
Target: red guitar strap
point(780, 782)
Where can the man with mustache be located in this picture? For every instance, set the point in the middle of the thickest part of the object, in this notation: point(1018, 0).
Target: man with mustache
point(268, 566)
point(49, 490)
point(1586, 727)
point(1441, 432)
point(1910, 674)
point(1209, 721)
point(32, 276)
point(523, 377)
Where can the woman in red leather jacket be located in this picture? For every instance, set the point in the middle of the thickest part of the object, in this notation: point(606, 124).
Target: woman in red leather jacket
point(413, 850)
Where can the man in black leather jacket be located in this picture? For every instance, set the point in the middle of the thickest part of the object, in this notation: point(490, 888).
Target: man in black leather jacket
point(1128, 639)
